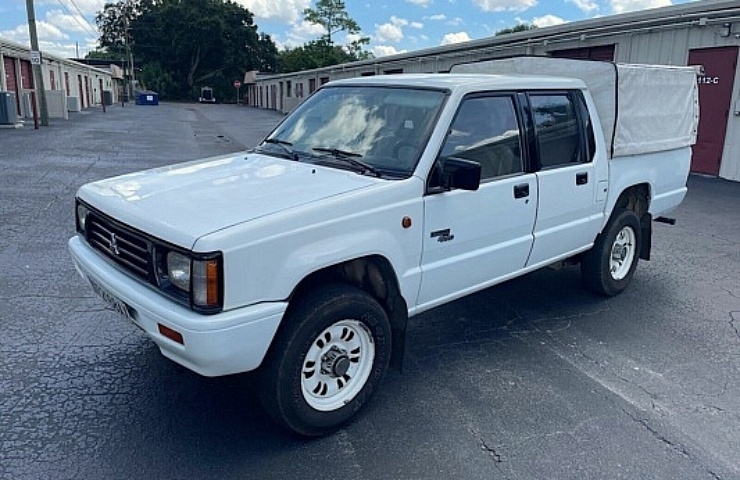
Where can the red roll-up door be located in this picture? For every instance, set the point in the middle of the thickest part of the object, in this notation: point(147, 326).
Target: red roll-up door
point(715, 96)
point(26, 75)
point(10, 79)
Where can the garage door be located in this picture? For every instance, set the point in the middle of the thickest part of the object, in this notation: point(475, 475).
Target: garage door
point(10, 79)
point(715, 93)
point(26, 75)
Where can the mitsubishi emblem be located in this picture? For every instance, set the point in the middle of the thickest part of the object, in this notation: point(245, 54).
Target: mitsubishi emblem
point(114, 244)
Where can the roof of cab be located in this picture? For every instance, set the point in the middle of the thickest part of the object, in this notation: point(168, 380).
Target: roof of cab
point(456, 81)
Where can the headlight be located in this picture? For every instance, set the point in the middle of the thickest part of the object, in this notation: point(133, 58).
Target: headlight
point(199, 276)
point(82, 212)
point(178, 270)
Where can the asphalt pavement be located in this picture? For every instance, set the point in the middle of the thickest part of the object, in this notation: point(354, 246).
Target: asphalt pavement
point(535, 378)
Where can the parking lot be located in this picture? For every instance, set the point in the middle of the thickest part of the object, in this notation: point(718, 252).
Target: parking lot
point(535, 378)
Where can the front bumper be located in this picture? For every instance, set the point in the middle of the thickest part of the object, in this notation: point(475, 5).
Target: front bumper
point(229, 342)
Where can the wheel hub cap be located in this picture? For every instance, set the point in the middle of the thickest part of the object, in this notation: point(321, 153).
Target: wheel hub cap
point(623, 253)
point(335, 363)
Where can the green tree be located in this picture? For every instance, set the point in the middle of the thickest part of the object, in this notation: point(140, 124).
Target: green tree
point(333, 16)
point(315, 54)
point(522, 27)
point(103, 54)
point(183, 45)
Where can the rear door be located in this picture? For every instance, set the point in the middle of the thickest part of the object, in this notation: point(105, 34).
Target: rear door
point(474, 238)
point(568, 215)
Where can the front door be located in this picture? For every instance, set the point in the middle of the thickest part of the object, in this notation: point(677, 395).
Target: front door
point(473, 239)
point(715, 92)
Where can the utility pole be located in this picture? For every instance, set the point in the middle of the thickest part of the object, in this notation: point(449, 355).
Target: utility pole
point(36, 62)
point(129, 52)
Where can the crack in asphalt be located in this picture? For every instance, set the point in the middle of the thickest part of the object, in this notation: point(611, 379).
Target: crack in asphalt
point(491, 451)
point(732, 322)
point(484, 446)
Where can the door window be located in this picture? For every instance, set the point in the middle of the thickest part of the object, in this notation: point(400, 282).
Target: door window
point(558, 130)
point(485, 130)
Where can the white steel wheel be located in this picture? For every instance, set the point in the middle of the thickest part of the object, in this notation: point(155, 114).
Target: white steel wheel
point(337, 365)
point(622, 253)
point(610, 265)
point(327, 360)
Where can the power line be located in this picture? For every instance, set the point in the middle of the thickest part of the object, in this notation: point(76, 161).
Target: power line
point(86, 28)
point(83, 16)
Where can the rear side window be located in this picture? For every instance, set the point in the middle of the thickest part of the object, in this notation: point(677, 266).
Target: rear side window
point(559, 131)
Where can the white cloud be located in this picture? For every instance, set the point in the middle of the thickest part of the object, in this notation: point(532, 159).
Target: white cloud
point(385, 50)
point(352, 37)
point(459, 37)
point(421, 3)
point(586, 6)
point(436, 18)
point(622, 6)
point(300, 34)
point(287, 11)
point(87, 7)
point(547, 21)
point(454, 22)
point(51, 40)
point(506, 5)
point(72, 23)
point(391, 32)
point(417, 25)
point(45, 31)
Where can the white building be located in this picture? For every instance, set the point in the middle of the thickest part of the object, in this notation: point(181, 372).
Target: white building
point(69, 85)
point(703, 33)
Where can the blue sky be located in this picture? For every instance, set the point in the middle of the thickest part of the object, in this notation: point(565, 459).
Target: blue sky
point(393, 26)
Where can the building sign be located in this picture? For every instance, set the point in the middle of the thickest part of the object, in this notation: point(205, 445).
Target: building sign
point(35, 57)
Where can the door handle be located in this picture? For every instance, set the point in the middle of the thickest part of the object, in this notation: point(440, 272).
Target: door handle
point(521, 190)
point(582, 178)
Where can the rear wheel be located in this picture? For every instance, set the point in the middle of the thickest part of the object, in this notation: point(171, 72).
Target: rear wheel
point(327, 360)
point(609, 266)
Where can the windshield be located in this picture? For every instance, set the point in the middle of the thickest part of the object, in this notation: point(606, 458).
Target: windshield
point(373, 130)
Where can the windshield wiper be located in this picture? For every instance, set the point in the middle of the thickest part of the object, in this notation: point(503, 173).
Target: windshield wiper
point(285, 145)
point(350, 158)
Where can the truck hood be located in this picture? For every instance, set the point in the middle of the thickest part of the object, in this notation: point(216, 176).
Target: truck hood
point(183, 202)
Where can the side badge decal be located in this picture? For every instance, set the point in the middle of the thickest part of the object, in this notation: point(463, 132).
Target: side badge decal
point(443, 235)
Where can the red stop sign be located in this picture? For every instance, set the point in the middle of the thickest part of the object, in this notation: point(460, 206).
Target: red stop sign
point(237, 84)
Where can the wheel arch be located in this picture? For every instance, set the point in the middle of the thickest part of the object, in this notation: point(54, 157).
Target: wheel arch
point(636, 198)
point(373, 274)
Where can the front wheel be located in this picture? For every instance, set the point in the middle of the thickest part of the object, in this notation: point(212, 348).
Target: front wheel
point(609, 266)
point(327, 360)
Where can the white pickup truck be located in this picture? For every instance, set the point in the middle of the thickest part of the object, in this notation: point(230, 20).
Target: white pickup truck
point(378, 199)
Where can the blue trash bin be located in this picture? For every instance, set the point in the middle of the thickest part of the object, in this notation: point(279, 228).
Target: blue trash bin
point(147, 97)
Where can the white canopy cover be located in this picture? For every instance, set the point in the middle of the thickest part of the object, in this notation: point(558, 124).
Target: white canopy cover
point(642, 108)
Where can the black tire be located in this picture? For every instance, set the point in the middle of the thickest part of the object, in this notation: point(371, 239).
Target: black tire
point(601, 270)
point(287, 375)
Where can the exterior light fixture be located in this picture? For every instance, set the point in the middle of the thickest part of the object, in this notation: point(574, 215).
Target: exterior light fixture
point(725, 30)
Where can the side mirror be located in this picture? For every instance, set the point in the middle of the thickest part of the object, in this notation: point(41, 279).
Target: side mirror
point(460, 174)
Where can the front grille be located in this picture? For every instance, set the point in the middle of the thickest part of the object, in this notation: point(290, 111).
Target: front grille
point(122, 245)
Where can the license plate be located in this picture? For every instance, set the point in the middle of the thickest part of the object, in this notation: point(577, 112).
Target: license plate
point(114, 303)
